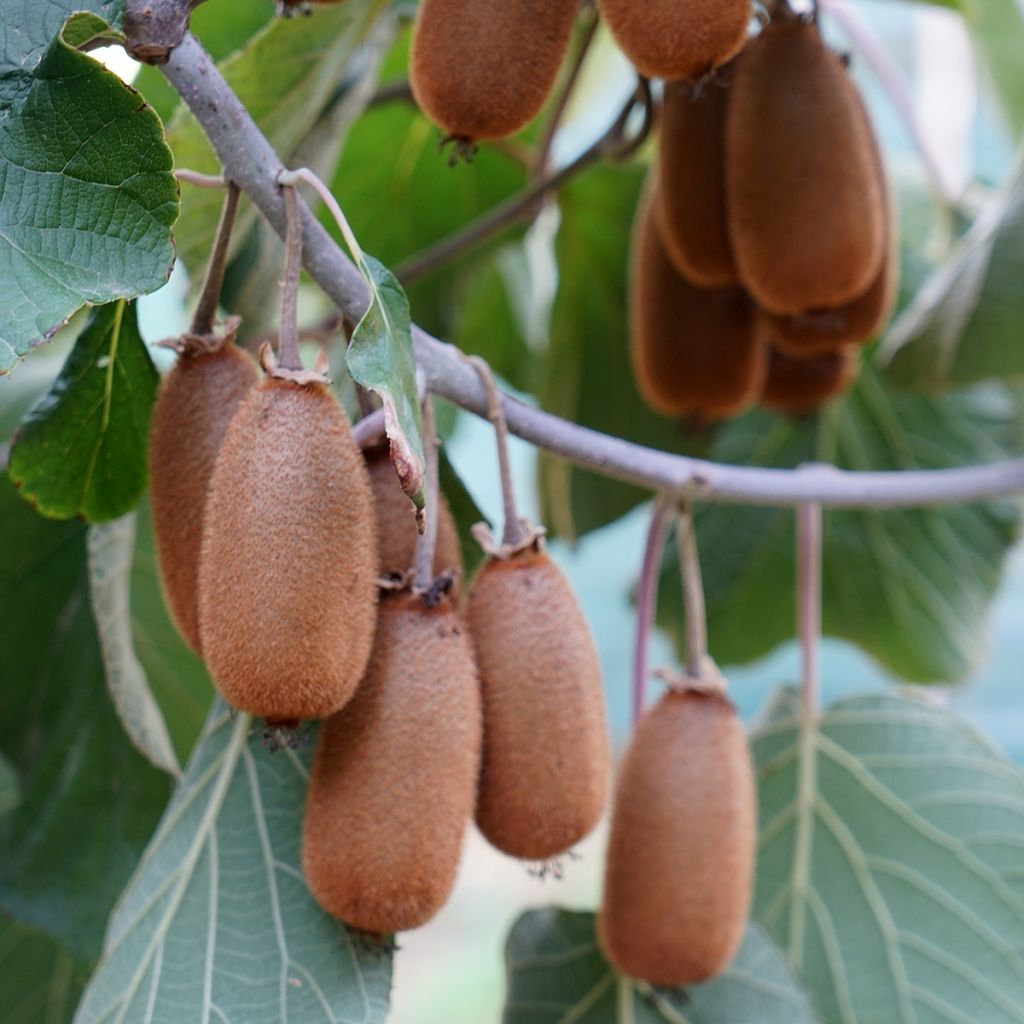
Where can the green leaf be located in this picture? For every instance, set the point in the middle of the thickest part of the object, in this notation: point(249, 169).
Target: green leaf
point(10, 793)
point(587, 376)
point(218, 920)
point(912, 587)
point(962, 325)
point(889, 868)
point(40, 983)
point(380, 358)
point(284, 77)
point(997, 31)
point(111, 548)
point(82, 450)
point(87, 198)
point(89, 801)
point(556, 974)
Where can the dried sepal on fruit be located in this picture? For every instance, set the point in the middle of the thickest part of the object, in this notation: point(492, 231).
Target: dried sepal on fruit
point(396, 523)
point(677, 38)
point(197, 400)
point(798, 386)
point(806, 207)
point(288, 569)
point(681, 854)
point(695, 352)
point(690, 209)
point(394, 776)
point(482, 69)
point(545, 772)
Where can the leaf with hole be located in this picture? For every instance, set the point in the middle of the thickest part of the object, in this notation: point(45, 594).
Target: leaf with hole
point(889, 865)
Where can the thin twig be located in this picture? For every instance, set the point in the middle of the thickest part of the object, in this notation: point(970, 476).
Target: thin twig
point(209, 299)
point(808, 591)
point(426, 543)
point(647, 599)
point(250, 160)
point(513, 534)
point(288, 346)
point(693, 595)
point(527, 204)
point(304, 174)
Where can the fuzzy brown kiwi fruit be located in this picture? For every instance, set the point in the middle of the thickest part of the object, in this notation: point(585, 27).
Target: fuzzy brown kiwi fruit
point(482, 69)
point(677, 38)
point(196, 402)
point(798, 386)
point(545, 772)
point(681, 853)
point(288, 566)
point(695, 352)
point(394, 776)
point(805, 204)
point(691, 210)
point(396, 523)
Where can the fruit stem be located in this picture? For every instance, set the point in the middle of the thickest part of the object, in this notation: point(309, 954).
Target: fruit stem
point(426, 543)
point(513, 534)
point(209, 298)
point(304, 174)
point(647, 599)
point(693, 594)
point(808, 590)
point(288, 351)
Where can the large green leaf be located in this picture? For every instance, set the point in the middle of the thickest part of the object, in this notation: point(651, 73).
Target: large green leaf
point(285, 77)
point(86, 194)
point(912, 587)
point(380, 358)
point(217, 923)
point(964, 323)
point(89, 801)
point(81, 451)
point(587, 377)
point(889, 866)
point(556, 974)
point(39, 981)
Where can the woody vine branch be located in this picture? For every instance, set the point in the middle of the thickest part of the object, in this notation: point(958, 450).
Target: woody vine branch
point(250, 161)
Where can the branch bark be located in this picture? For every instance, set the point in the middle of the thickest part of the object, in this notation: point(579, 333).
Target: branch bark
point(249, 160)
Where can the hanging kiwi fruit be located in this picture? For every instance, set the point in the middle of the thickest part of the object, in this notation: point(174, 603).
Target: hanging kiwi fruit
point(482, 69)
point(796, 386)
point(805, 202)
point(695, 351)
point(677, 38)
point(545, 769)
point(288, 562)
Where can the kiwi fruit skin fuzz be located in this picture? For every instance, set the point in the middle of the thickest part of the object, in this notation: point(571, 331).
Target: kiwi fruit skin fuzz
point(677, 38)
point(483, 69)
point(690, 210)
point(288, 567)
point(396, 523)
point(546, 764)
point(798, 386)
point(805, 204)
point(681, 854)
point(695, 352)
point(197, 400)
point(394, 775)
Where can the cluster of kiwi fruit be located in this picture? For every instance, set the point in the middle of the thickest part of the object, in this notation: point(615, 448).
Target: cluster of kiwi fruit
point(285, 557)
point(762, 253)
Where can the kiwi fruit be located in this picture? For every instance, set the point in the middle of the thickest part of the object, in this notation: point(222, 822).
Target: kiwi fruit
point(482, 69)
point(797, 386)
point(288, 565)
point(695, 352)
point(681, 853)
point(690, 211)
point(546, 765)
point(805, 203)
point(394, 776)
point(396, 523)
point(196, 402)
point(677, 38)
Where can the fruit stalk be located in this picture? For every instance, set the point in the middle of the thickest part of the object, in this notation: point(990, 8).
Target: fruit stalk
point(209, 299)
point(426, 544)
point(693, 594)
point(647, 599)
point(288, 350)
point(808, 529)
